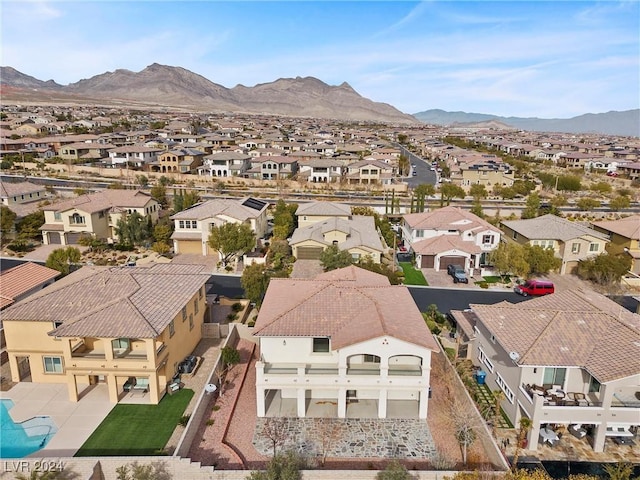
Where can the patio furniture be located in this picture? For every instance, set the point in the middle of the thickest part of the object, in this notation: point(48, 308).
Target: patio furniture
point(142, 385)
point(624, 441)
point(549, 436)
point(577, 431)
point(579, 398)
point(129, 384)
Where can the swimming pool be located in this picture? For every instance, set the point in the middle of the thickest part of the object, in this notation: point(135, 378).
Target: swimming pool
point(24, 438)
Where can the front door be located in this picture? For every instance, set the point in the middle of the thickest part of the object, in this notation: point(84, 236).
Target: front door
point(24, 369)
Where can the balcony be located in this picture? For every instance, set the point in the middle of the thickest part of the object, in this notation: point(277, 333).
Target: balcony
point(96, 351)
point(559, 399)
point(406, 370)
point(364, 369)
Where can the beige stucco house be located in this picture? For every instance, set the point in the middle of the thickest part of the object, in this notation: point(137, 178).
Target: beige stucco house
point(112, 325)
point(571, 241)
point(345, 336)
point(94, 214)
point(624, 239)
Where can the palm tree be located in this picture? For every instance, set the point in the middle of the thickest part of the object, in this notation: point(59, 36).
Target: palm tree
point(525, 426)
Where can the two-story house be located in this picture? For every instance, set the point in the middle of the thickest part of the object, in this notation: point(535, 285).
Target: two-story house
point(313, 212)
point(569, 358)
point(178, 160)
point(571, 241)
point(94, 214)
point(624, 239)
point(114, 326)
point(370, 172)
point(449, 235)
point(225, 164)
point(193, 225)
point(134, 155)
point(345, 336)
point(273, 167)
point(321, 170)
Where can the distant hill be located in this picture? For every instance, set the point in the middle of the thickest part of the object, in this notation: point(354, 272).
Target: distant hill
point(625, 123)
point(161, 85)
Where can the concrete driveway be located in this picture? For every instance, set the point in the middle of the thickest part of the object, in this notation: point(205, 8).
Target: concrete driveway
point(443, 279)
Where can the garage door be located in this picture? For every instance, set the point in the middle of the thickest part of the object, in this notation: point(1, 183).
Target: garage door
point(190, 246)
point(73, 238)
point(427, 261)
point(309, 253)
point(572, 267)
point(54, 238)
point(444, 261)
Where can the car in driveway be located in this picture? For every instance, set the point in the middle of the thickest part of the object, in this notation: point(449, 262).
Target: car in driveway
point(458, 273)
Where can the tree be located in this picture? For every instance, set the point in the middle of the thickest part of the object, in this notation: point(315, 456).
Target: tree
point(231, 239)
point(367, 263)
point(79, 191)
point(585, 204)
point(61, 259)
point(465, 425)
point(601, 188)
point(159, 194)
point(449, 191)
point(333, 258)
point(29, 226)
point(285, 466)
point(284, 219)
point(558, 200)
point(507, 193)
point(605, 268)
point(509, 257)
point(394, 471)
point(476, 209)
point(132, 229)
point(619, 470)
point(185, 199)
point(478, 191)
point(7, 220)
point(276, 430)
point(255, 281)
point(229, 358)
point(532, 207)
point(403, 165)
point(137, 471)
point(541, 260)
point(142, 180)
point(162, 232)
point(618, 203)
point(523, 187)
point(329, 432)
point(524, 427)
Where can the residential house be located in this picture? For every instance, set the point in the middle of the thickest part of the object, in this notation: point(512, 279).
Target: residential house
point(630, 169)
point(312, 212)
point(178, 160)
point(225, 164)
point(570, 358)
point(18, 193)
point(272, 167)
point(193, 225)
point(134, 155)
point(571, 241)
point(321, 170)
point(83, 151)
point(370, 172)
point(449, 235)
point(356, 234)
point(343, 337)
point(94, 214)
point(123, 327)
point(624, 239)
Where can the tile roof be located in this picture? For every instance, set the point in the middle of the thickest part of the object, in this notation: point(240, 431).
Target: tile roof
point(324, 209)
point(447, 218)
point(11, 189)
point(551, 227)
point(443, 243)
point(234, 208)
point(360, 229)
point(345, 305)
point(103, 200)
point(21, 279)
point(628, 227)
point(571, 328)
point(113, 302)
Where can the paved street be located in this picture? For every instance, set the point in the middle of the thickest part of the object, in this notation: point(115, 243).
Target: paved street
point(422, 167)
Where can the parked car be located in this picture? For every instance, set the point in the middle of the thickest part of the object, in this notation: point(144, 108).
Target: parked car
point(188, 364)
point(415, 174)
point(458, 273)
point(534, 287)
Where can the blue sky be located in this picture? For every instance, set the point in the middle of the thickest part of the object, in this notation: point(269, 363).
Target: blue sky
point(547, 59)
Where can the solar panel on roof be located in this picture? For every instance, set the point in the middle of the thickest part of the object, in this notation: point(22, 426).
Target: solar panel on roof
point(253, 203)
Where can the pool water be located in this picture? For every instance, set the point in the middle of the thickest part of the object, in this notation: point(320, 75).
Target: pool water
point(17, 440)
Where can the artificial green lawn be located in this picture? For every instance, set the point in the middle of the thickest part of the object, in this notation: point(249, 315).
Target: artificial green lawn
point(496, 279)
point(411, 275)
point(137, 429)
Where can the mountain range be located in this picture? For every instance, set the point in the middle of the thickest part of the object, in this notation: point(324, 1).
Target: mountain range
point(161, 86)
point(625, 123)
point(175, 87)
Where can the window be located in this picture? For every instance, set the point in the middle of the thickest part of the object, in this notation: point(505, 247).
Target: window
point(508, 393)
point(195, 305)
point(172, 329)
point(184, 313)
point(371, 358)
point(200, 294)
point(57, 216)
point(554, 376)
point(52, 364)
point(484, 359)
point(190, 321)
point(594, 386)
point(355, 256)
point(321, 345)
point(419, 233)
point(515, 235)
point(120, 344)
point(76, 219)
point(487, 239)
point(575, 248)
point(594, 247)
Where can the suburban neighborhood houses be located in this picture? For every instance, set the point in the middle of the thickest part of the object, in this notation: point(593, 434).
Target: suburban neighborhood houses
point(367, 308)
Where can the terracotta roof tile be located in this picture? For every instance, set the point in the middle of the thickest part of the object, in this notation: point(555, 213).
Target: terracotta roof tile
point(19, 280)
